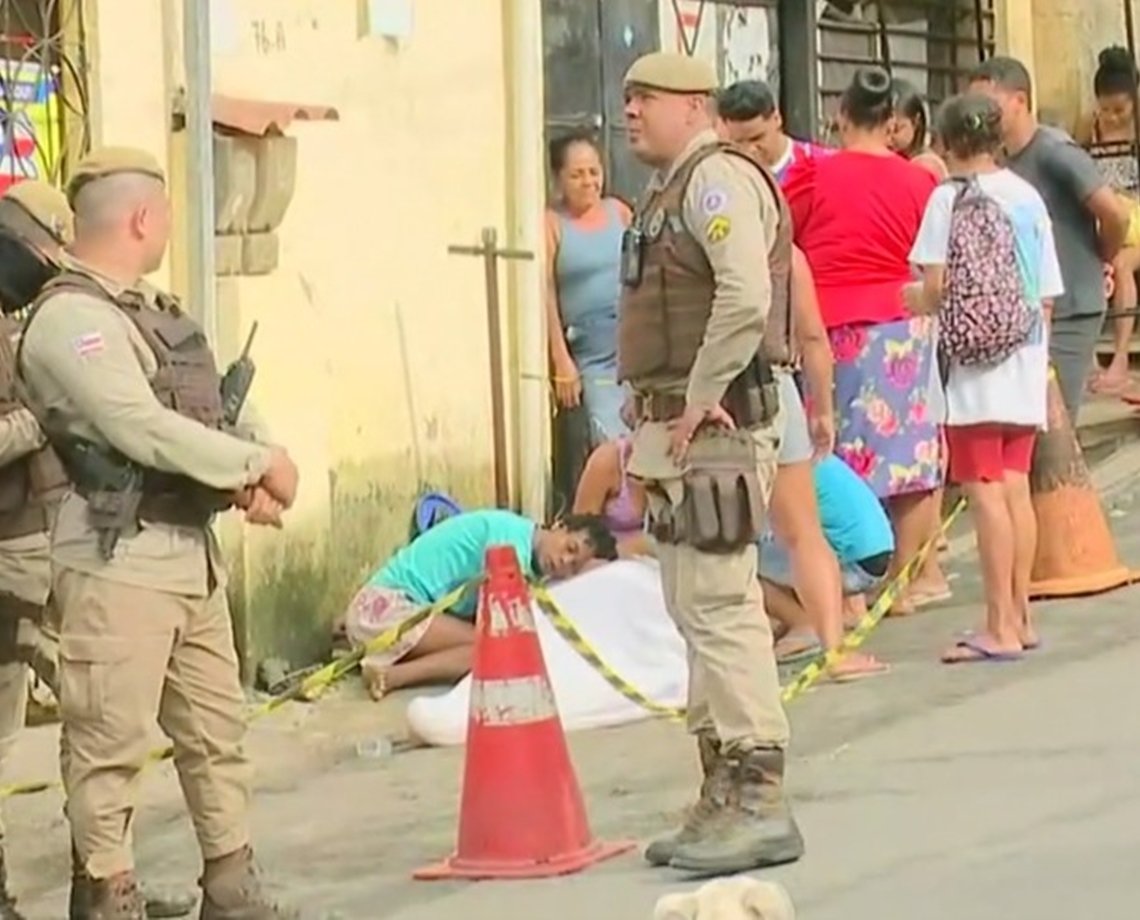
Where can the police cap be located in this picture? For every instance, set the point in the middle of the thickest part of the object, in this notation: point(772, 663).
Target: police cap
point(112, 161)
point(672, 73)
point(47, 206)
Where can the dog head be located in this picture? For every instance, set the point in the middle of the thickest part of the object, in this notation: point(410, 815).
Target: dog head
point(740, 898)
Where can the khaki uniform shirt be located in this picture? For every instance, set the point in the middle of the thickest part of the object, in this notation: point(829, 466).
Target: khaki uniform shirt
point(25, 568)
point(730, 211)
point(84, 360)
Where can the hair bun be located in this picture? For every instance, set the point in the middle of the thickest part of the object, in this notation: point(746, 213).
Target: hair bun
point(1117, 59)
point(874, 83)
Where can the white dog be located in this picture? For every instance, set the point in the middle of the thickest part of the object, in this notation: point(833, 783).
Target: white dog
point(738, 898)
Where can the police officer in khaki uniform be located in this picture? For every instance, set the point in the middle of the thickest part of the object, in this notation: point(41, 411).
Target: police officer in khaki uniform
point(125, 386)
point(705, 317)
point(35, 225)
point(35, 222)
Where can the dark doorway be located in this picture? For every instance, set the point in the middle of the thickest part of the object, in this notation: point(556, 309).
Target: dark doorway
point(589, 45)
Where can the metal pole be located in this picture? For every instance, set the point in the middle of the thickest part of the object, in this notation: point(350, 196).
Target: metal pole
point(200, 166)
point(980, 27)
point(498, 395)
point(884, 40)
point(491, 253)
point(1130, 35)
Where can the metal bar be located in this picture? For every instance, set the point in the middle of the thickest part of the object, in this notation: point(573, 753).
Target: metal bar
point(866, 28)
point(1130, 36)
point(905, 64)
point(884, 39)
point(799, 67)
point(980, 26)
point(200, 168)
point(491, 253)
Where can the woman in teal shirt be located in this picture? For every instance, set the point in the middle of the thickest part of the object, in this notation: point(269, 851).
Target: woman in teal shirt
point(446, 557)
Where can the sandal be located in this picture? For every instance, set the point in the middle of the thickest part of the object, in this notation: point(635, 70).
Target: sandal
point(797, 646)
point(872, 668)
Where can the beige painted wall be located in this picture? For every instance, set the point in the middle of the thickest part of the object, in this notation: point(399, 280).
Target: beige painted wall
point(372, 349)
point(1068, 36)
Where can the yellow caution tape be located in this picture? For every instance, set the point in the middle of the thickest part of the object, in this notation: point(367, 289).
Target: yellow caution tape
point(814, 671)
point(309, 688)
point(804, 680)
point(314, 685)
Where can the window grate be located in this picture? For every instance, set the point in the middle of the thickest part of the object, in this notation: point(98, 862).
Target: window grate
point(933, 44)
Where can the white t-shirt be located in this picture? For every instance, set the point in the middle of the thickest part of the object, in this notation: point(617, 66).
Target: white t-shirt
point(1013, 392)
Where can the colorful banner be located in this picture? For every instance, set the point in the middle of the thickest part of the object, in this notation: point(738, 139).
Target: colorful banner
point(30, 130)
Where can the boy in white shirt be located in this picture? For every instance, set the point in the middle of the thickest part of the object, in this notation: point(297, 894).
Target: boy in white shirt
point(994, 409)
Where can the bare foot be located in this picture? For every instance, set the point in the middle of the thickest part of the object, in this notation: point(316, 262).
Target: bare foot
point(1027, 632)
point(854, 609)
point(1112, 381)
point(375, 681)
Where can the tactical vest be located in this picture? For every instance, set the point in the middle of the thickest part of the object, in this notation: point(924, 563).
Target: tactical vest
point(663, 318)
point(31, 486)
point(186, 382)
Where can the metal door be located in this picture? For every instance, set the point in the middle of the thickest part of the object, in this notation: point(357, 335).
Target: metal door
point(589, 45)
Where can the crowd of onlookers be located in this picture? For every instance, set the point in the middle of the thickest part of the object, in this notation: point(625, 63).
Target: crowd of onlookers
point(942, 265)
point(908, 232)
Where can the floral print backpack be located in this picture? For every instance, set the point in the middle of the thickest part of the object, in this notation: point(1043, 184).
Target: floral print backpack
point(985, 315)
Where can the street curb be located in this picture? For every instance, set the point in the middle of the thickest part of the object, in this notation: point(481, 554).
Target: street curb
point(1109, 478)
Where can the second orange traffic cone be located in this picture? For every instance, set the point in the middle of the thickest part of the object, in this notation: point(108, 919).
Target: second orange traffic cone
point(521, 814)
point(1075, 550)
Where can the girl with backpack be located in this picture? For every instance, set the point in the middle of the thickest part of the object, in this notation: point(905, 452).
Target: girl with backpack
point(990, 272)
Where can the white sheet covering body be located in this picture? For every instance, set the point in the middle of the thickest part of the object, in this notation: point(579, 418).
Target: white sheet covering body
point(620, 610)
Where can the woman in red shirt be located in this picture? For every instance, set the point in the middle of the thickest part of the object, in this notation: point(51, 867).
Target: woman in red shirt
point(856, 215)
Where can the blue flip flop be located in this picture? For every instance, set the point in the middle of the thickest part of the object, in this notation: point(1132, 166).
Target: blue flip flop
point(971, 634)
point(981, 653)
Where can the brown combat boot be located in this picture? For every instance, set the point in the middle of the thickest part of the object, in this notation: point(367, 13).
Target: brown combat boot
point(158, 904)
point(714, 800)
point(758, 830)
point(231, 890)
point(8, 910)
point(114, 898)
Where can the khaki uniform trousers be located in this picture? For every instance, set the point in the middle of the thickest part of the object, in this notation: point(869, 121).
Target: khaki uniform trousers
point(717, 604)
point(24, 573)
point(127, 657)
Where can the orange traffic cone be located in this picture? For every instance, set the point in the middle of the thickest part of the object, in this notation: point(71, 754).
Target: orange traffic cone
point(1075, 551)
point(521, 814)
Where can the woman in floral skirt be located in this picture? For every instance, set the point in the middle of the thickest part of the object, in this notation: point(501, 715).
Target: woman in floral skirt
point(856, 215)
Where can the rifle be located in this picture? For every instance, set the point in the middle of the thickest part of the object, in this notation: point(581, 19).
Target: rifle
point(237, 380)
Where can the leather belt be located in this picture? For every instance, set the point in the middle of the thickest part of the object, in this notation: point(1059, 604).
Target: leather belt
point(660, 407)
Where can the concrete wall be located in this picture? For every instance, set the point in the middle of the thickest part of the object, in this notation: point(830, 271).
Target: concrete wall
point(372, 349)
point(1073, 32)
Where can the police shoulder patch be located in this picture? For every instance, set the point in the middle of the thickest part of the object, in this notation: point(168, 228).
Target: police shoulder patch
point(718, 229)
point(713, 200)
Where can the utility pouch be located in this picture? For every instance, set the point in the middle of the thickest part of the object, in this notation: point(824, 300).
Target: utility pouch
point(723, 506)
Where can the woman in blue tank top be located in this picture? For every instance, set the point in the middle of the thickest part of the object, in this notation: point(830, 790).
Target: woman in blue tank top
point(583, 271)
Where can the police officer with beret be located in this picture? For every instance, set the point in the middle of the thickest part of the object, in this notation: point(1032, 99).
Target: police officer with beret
point(36, 224)
point(124, 384)
point(705, 318)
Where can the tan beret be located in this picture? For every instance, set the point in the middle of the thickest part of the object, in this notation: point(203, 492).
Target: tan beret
point(672, 73)
point(47, 206)
point(112, 161)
